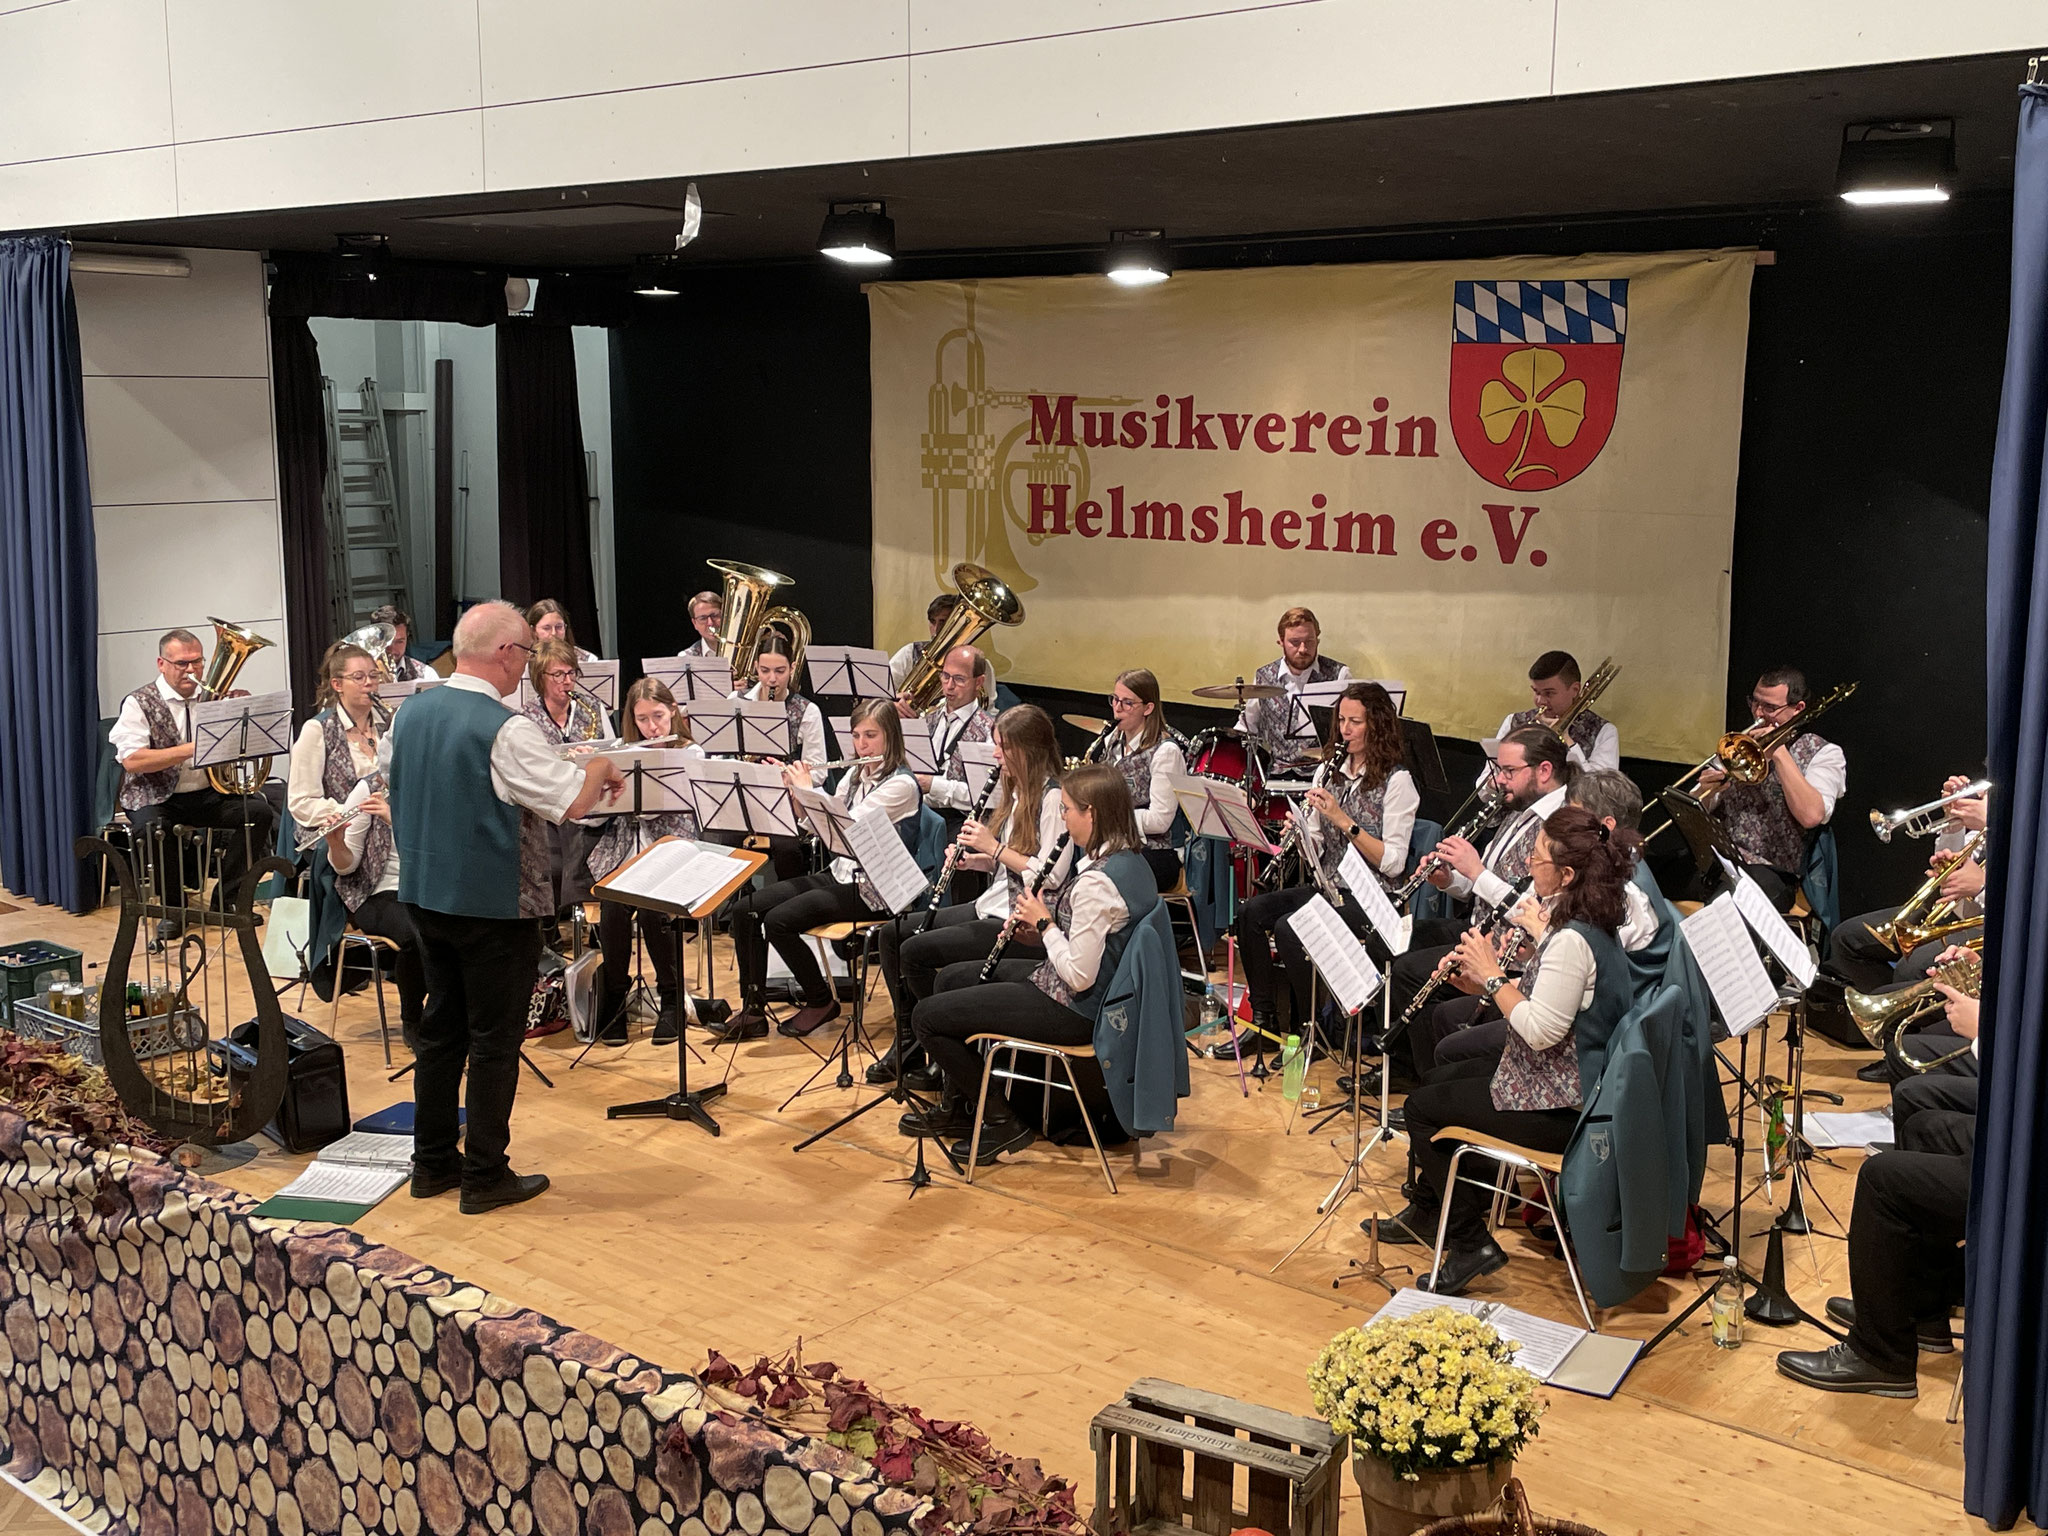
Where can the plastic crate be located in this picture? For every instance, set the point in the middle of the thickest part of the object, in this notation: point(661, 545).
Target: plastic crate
point(23, 965)
point(163, 1035)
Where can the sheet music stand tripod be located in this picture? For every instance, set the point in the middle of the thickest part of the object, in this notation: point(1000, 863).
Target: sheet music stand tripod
point(684, 1103)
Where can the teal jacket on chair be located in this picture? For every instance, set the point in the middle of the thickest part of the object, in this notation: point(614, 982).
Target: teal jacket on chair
point(1138, 1039)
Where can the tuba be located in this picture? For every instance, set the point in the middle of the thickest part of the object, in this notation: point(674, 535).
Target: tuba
point(1883, 1016)
point(232, 648)
point(984, 601)
point(747, 614)
point(376, 639)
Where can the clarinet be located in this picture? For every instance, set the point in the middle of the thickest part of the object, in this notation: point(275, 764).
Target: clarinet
point(995, 955)
point(945, 881)
point(1490, 926)
point(1290, 840)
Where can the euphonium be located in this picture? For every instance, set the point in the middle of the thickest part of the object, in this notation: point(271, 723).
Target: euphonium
point(1923, 918)
point(1883, 1016)
point(984, 601)
point(747, 614)
point(376, 639)
point(233, 646)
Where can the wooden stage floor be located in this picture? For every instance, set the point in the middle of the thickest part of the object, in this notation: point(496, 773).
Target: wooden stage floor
point(1031, 1299)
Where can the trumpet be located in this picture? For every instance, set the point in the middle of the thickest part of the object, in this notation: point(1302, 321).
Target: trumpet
point(1923, 919)
point(1920, 820)
point(1498, 925)
point(1493, 804)
point(1883, 1016)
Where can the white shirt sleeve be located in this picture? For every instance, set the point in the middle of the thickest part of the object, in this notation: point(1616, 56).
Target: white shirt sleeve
point(1606, 751)
point(1638, 919)
point(1097, 911)
point(131, 730)
point(1828, 773)
point(1397, 821)
point(1167, 762)
point(1564, 985)
point(305, 789)
point(527, 772)
point(900, 665)
point(811, 736)
point(1489, 887)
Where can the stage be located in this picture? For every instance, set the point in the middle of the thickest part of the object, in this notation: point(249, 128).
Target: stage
point(1028, 1301)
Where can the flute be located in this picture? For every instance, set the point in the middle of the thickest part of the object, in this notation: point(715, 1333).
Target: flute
point(945, 880)
point(995, 955)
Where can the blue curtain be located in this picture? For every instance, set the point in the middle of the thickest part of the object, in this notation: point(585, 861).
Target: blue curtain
point(49, 581)
point(2005, 1470)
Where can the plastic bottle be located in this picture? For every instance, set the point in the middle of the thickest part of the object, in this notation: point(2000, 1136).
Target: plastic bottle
point(1726, 1306)
point(1293, 1068)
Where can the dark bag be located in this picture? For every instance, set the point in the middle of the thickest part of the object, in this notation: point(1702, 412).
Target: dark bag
point(314, 1109)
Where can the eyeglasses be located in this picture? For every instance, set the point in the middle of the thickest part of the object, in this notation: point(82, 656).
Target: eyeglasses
point(1509, 770)
point(1760, 707)
point(514, 645)
point(356, 677)
point(560, 675)
point(183, 666)
point(957, 679)
point(1120, 705)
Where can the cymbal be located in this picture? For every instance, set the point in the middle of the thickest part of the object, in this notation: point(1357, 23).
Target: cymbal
point(1240, 691)
point(1087, 723)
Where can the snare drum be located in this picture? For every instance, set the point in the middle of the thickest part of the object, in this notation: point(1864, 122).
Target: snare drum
point(1220, 754)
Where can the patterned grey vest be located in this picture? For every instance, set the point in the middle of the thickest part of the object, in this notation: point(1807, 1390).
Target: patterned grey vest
point(581, 727)
point(620, 841)
point(337, 778)
point(145, 789)
point(1531, 1079)
point(1364, 804)
point(1520, 828)
point(1584, 731)
point(980, 726)
point(1268, 718)
point(1760, 824)
point(1135, 765)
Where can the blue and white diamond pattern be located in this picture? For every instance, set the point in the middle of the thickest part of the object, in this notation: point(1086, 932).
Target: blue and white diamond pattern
point(1555, 312)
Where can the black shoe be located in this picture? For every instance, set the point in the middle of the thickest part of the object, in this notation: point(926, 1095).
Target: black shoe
point(997, 1139)
point(667, 1025)
point(1930, 1333)
point(944, 1122)
point(711, 1012)
point(1413, 1226)
point(1248, 1044)
point(613, 1034)
point(741, 1026)
point(882, 1070)
point(1878, 1071)
point(1462, 1266)
point(809, 1019)
point(510, 1189)
point(1838, 1368)
point(167, 929)
point(426, 1185)
point(1368, 1089)
point(924, 1079)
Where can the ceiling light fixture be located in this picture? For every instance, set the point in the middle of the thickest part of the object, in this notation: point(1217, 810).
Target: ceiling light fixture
point(859, 234)
point(654, 278)
point(357, 257)
point(1893, 163)
point(1137, 258)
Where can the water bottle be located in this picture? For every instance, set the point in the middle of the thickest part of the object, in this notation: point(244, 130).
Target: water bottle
point(1293, 1068)
point(1726, 1306)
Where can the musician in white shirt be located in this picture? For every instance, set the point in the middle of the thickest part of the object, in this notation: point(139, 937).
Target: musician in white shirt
point(707, 612)
point(1554, 687)
point(936, 612)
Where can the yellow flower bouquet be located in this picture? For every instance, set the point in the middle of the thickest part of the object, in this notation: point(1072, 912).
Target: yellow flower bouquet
point(1434, 1392)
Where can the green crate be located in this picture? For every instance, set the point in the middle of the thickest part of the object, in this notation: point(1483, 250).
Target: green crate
point(23, 965)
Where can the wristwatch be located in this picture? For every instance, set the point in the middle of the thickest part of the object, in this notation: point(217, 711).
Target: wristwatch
point(1493, 985)
point(1042, 924)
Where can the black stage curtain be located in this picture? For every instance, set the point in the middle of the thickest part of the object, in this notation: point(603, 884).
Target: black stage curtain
point(543, 496)
point(301, 482)
point(304, 285)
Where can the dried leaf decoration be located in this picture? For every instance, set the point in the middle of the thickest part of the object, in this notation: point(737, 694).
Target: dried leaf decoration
point(1527, 391)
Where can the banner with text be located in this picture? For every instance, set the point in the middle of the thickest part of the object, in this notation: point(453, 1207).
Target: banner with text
point(1457, 465)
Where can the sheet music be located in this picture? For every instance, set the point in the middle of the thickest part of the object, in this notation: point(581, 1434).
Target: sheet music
point(600, 681)
point(1336, 954)
point(828, 818)
point(1398, 692)
point(392, 692)
point(1218, 808)
point(1756, 909)
point(1542, 1345)
point(350, 1183)
point(217, 728)
point(1720, 941)
point(1849, 1130)
point(848, 671)
point(369, 1149)
point(664, 780)
point(978, 760)
point(726, 795)
point(681, 873)
point(703, 677)
point(741, 727)
point(879, 850)
point(1359, 879)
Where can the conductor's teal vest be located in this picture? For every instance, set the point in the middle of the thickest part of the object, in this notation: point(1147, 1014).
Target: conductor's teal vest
point(458, 843)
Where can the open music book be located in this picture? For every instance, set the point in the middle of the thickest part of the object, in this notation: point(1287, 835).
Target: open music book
point(1557, 1354)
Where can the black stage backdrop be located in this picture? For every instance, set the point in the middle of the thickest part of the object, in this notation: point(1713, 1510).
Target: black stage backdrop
point(740, 427)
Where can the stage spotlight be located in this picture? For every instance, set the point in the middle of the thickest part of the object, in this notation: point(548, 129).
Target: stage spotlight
point(1885, 164)
point(653, 278)
point(859, 234)
point(1138, 257)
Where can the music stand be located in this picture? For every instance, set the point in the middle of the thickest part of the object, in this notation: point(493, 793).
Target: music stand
point(1419, 752)
point(234, 730)
point(683, 1104)
point(977, 762)
point(741, 728)
point(691, 678)
point(848, 672)
point(1706, 837)
point(750, 798)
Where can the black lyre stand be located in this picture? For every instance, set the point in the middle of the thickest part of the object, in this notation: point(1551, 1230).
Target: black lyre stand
point(684, 1103)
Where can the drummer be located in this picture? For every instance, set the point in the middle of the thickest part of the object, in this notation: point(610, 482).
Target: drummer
point(1272, 717)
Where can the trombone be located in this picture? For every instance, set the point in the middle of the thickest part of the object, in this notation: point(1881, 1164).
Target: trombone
point(1589, 690)
point(1920, 820)
point(1745, 755)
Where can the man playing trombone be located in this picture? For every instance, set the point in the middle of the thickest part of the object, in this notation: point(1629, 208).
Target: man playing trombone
point(1771, 823)
point(1555, 686)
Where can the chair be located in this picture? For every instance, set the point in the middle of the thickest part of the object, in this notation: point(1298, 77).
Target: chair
point(1545, 1167)
point(840, 936)
point(1067, 1055)
point(375, 945)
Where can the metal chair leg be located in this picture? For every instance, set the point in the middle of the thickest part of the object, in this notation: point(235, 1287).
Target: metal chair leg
point(1955, 1398)
point(1087, 1119)
point(988, 1066)
point(1443, 1215)
point(383, 1018)
point(1548, 1185)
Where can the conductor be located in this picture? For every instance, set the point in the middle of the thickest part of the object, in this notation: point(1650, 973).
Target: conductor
point(470, 784)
